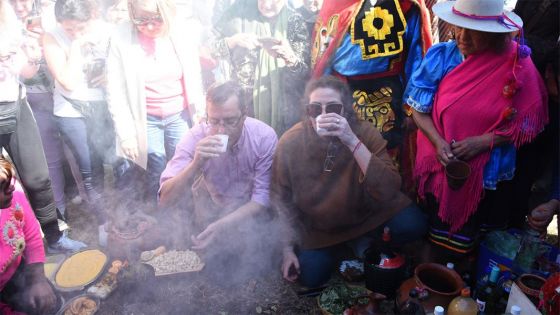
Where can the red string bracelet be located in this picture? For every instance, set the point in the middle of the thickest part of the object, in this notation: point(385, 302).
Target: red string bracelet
point(491, 141)
point(356, 147)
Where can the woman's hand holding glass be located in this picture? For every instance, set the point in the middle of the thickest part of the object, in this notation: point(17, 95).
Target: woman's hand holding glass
point(337, 126)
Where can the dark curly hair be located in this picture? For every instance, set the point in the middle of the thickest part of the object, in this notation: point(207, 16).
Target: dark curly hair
point(78, 10)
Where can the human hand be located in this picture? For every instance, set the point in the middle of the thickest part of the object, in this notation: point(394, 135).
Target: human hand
point(32, 48)
point(245, 40)
point(40, 296)
point(468, 148)
point(290, 265)
point(283, 50)
point(206, 237)
point(541, 216)
point(207, 148)
point(130, 148)
point(98, 81)
point(444, 153)
point(337, 126)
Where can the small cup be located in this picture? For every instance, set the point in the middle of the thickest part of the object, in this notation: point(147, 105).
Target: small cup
point(224, 139)
point(320, 131)
point(457, 173)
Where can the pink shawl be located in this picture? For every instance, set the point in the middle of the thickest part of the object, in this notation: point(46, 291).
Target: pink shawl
point(472, 100)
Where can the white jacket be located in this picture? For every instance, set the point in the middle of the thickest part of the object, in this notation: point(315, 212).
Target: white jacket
point(126, 85)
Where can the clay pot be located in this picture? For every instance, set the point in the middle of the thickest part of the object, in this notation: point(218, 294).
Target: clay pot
point(443, 284)
point(457, 173)
point(530, 285)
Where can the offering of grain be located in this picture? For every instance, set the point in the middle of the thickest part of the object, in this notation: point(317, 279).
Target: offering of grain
point(80, 269)
point(176, 262)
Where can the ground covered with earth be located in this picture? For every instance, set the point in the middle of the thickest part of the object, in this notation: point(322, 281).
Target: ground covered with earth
point(207, 291)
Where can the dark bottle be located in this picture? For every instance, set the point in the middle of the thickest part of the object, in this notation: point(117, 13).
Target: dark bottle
point(412, 306)
point(487, 296)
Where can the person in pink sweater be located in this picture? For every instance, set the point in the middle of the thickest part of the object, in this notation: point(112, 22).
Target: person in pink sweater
point(23, 285)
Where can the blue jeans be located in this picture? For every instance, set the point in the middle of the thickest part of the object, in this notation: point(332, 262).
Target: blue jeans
point(316, 265)
point(163, 136)
point(78, 135)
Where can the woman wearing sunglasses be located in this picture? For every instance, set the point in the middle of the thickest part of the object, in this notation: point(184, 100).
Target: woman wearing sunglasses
point(154, 86)
point(334, 184)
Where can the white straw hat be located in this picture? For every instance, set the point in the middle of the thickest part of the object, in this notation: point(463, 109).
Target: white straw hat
point(480, 15)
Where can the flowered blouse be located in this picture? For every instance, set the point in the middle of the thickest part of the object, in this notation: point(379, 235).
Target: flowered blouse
point(441, 59)
point(21, 237)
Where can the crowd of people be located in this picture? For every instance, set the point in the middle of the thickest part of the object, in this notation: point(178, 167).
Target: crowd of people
point(321, 124)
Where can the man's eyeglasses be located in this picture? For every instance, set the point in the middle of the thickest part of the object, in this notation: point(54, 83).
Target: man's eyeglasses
point(316, 109)
point(226, 122)
point(145, 21)
point(332, 149)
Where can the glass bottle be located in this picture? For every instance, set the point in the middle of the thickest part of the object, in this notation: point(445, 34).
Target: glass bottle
point(463, 304)
point(528, 251)
point(412, 306)
point(488, 295)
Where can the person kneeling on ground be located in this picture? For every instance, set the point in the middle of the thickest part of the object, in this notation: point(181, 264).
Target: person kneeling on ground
point(333, 184)
point(23, 286)
point(225, 190)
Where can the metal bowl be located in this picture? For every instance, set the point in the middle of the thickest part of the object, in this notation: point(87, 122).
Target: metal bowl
point(89, 296)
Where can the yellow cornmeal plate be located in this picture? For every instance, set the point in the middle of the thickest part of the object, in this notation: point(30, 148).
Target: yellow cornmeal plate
point(50, 268)
point(80, 269)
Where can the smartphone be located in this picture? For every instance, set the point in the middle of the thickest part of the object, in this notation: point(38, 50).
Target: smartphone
point(34, 24)
point(94, 70)
point(268, 42)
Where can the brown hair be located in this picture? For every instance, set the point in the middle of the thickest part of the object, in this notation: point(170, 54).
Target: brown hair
point(6, 167)
point(334, 83)
point(220, 92)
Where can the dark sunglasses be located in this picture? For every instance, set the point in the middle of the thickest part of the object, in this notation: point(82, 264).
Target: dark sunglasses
point(316, 109)
point(155, 20)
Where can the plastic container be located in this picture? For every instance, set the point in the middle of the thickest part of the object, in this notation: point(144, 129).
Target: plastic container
point(463, 304)
point(488, 257)
point(515, 310)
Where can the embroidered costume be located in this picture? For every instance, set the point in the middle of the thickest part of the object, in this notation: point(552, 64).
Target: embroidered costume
point(374, 46)
point(20, 239)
